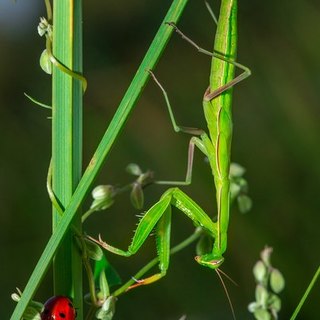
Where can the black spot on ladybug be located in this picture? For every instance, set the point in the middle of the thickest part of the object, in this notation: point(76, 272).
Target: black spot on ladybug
point(58, 308)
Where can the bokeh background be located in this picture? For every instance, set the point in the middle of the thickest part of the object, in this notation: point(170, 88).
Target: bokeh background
point(276, 130)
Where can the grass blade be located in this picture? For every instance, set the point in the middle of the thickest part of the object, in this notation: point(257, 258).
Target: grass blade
point(305, 296)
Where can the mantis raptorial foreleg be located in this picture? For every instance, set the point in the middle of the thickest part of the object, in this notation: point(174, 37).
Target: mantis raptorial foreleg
point(158, 218)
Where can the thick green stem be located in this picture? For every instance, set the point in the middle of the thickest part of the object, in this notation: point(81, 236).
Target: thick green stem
point(67, 141)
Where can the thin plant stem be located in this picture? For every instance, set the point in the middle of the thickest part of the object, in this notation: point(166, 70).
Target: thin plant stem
point(307, 292)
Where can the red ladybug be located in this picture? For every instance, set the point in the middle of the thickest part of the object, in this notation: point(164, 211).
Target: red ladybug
point(58, 308)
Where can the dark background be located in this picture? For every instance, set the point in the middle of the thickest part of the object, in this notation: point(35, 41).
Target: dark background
point(276, 125)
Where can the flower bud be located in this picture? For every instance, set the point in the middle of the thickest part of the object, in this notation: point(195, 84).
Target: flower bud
point(133, 169)
point(102, 192)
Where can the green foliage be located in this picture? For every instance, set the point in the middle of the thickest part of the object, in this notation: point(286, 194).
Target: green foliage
point(32, 311)
point(239, 188)
point(270, 282)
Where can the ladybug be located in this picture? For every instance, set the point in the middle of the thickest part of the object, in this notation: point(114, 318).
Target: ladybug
point(58, 308)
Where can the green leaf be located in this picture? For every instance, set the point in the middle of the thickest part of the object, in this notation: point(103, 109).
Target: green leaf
point(111, 273)
point(33, 309)
point(104, 286)
point(31, 314)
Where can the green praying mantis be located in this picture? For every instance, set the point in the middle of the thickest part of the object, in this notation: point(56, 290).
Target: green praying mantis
point(215, 146)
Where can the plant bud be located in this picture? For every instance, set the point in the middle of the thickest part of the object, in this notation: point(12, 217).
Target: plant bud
point(262, 295)
point(274, 303)
point(244, 203)
point(262, 314)
point(45, 63)
point(93, 250)
point(236, 171)
point(133, 169)
point(259, 271)
point(102, 192)
point(265, 255)
point(277, 281)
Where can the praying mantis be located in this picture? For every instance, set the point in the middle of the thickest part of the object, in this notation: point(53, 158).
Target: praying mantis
point(215, 145)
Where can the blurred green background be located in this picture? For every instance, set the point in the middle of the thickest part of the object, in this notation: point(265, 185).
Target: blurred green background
point(276, 130)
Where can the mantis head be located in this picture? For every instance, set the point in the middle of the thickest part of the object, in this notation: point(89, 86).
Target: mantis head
point(210, 260)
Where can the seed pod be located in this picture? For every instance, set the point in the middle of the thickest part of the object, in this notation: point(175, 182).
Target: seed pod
point(260, 271)
point(277, 281)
